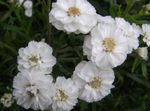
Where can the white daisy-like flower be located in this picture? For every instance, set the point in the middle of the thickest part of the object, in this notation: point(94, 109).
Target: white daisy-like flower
point(7, 100)
point(143, 52)
point(146, 33)
point(131, 32)
point(93, 83)
point(33, 90)
point(66, 95)
point(107, 20)
point(107, 46)
point(36, 56)
point(77, 16)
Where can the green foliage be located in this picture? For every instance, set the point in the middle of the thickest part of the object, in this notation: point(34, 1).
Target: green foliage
point(132, 92)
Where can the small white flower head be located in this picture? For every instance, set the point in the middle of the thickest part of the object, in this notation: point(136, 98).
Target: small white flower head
point(93, 83)
point(27, 4)
point(146, 33)
point(107, 46)
point(77, 16)
point(7, 100)
point(66, 95)
point(36, 56)
point(131, 32)
point(33, 90)
point(28, 8)
point(143, 52)
point(28, 12)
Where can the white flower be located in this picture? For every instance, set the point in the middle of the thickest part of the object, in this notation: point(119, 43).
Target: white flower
point(143, 52)
point(131, 32)
point(94, 83)
point(146, 33)
point(33, 90)
point(36, 56)
point(7, 100)
point(28, 8)
point(27, 4)
point(77, 16)
point(107, 46)
point(28, 12)
point(66, 95)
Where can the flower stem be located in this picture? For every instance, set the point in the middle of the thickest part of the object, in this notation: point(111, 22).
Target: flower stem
point(49, 26)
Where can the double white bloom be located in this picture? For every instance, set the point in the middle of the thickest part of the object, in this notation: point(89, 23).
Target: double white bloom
point(66, 95)
point(77, 16)
point(36, 56)
point(33, 89)
point(110, 41)
point(94, 83)
point(108, 47)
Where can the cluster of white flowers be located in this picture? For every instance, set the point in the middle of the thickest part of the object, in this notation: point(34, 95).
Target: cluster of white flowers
point(7, 100)
point(28, 8)
point(33, 87)
point(27, 5)
point(106, 46)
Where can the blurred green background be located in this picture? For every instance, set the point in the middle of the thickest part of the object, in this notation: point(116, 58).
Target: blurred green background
point(132, 83)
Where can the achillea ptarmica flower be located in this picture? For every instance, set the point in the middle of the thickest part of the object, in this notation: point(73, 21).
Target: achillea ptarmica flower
point(36, 56)
point(131, 32)
point(7, 100)
point(33, 90)
point(107, 46)
point(146, 33)
point(66, 95)
point(93, 83)
point(77, 16)
point(28, 8)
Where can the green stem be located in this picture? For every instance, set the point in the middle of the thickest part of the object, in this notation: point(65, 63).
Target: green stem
point(49, 26)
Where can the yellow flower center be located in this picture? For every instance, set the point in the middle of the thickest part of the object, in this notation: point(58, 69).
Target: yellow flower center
point(73, 11)
point(109, 44)
point(32, 90)
point(33, 60)
point(61, 95)
point(95, 83)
